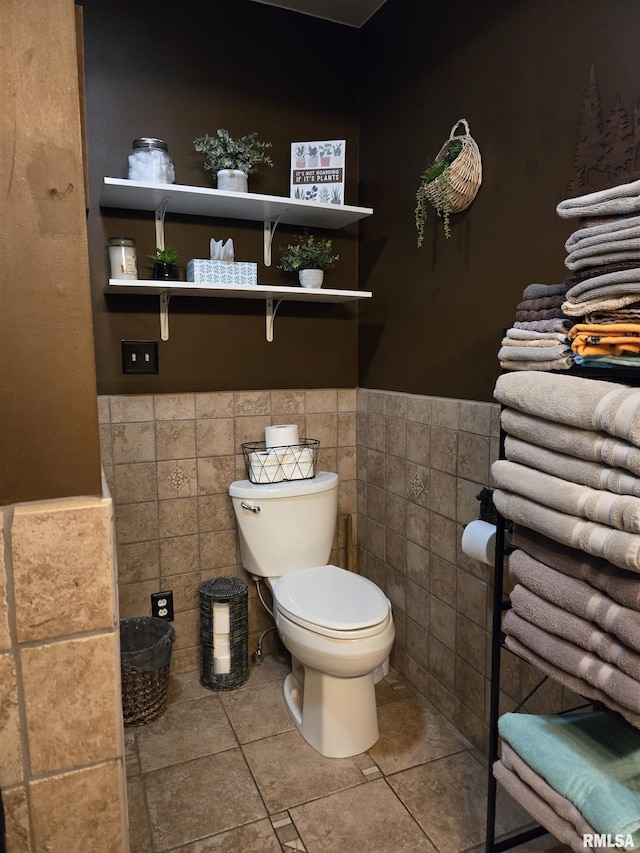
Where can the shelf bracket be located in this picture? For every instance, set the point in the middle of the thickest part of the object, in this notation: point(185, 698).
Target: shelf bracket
point(271, 316)
point(161, 209)
point(270, 226)
point(165, 296)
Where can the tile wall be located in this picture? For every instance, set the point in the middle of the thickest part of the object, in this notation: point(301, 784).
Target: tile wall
point(421, 464)
point(169, 460)
point(410, 469)
point(62, 767)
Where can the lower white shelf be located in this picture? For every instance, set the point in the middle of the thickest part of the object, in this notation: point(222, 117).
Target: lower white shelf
point(166, 289)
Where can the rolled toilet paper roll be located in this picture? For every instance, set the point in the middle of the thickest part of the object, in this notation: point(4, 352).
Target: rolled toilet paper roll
point(221, 664)
point(221, 646)
point(265, 467)
point(221, 618)
point(281, 435)
point(479, 541)
point(297, 463)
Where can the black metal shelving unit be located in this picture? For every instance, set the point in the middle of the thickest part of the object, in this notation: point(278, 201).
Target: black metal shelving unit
point(630, 377)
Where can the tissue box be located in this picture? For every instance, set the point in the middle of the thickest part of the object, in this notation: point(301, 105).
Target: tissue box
point(240, 274)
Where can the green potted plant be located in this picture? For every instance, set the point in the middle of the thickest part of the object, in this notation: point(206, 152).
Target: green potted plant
point(165, 264)
point(232, 160)
point(440, 171)
point(308, 257)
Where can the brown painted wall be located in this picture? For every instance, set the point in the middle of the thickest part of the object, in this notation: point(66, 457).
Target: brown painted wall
point(517, 73)
point(156, 68)
point(49, 434)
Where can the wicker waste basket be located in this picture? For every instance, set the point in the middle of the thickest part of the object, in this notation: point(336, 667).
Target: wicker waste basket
point(145, 655)
point(224, 663)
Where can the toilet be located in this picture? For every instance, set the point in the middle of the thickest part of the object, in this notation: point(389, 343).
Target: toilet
point(337, 625)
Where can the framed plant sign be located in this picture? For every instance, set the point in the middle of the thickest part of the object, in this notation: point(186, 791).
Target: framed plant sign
point(317, 170)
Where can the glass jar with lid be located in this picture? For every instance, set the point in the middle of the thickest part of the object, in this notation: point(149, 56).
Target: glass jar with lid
point(149, 161)
point(122, 258)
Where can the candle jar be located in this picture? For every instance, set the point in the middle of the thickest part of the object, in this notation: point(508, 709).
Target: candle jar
point(149, 161)
point(122, 258)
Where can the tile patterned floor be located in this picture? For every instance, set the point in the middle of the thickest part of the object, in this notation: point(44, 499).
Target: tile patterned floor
point(230, 772)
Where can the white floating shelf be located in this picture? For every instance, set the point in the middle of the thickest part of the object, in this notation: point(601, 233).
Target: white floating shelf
point(200, 201)
point(166, 289)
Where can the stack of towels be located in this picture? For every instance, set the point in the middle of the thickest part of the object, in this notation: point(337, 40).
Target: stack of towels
point(538, 338)
point(571, 484)
point(577, 775)
point(603, 284)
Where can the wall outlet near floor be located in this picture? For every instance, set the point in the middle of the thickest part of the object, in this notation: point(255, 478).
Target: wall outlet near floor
point(162, 605)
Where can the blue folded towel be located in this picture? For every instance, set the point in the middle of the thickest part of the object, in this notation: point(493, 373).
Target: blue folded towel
point(592, 759)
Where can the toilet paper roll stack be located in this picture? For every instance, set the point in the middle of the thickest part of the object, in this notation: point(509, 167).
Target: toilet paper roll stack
point(221, 638)
point(479, 541)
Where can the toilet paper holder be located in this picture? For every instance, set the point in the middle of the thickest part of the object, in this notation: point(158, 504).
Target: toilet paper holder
point(489, 513)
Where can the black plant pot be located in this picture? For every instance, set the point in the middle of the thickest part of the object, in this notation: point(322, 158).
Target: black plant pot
point(165, 272)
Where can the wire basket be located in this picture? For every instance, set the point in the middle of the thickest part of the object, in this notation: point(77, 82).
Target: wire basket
point(145, 655)
point(275, 464)
point(457, 187)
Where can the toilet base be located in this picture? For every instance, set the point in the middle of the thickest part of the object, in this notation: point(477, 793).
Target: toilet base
point(336, 716)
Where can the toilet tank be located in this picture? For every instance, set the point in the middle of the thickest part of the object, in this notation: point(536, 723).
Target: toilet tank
point(285, 526)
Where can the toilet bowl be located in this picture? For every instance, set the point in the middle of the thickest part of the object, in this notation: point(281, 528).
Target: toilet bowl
point(340, 644)
point(337, 625)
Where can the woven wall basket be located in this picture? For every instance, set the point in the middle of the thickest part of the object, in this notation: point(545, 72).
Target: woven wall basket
point(465, 174)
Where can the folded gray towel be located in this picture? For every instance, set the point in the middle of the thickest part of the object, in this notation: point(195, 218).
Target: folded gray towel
point(556, 324)
point(593, 256)
point(615, 200)
point(611, 229)
point(577, 685)
point(574, 441)
point(604, 507)
point(539, 352)
point(577, 597)
point(539, 807)
point(561, 808)
point(576, 661)
point(608, 284)
point(617, 546)
point(555, 620)
point(539, 342)
point(621, 586)
point(579, 471)
point(532, 335)
point(586, 403)
point(536, 291)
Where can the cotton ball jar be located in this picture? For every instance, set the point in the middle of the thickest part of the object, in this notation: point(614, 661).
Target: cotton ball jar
point(149, 161)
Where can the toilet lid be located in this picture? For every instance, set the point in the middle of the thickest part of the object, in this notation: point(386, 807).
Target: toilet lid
point(331, 597)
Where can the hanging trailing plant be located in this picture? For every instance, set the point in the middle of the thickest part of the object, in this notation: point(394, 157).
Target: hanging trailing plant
point(451, 181)
point(439, 170)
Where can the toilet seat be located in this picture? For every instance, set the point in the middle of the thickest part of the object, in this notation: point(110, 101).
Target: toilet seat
point(332, 601)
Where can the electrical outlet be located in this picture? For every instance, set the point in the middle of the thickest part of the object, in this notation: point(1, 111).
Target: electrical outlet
point(162, 605)
point(139, 356)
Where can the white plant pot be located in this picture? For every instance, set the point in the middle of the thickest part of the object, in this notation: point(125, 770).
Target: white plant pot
point(311, 278)
point(233, 180)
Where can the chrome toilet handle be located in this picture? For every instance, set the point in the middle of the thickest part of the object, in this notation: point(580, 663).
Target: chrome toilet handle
point(250, 507)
